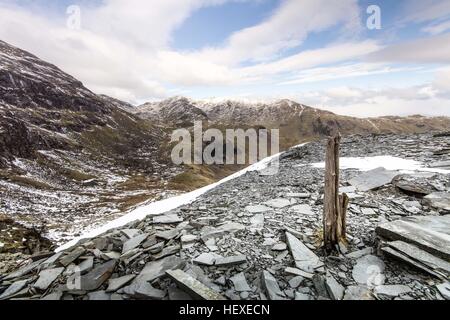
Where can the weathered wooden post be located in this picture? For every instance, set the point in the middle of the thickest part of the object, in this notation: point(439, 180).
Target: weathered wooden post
point(335, 205)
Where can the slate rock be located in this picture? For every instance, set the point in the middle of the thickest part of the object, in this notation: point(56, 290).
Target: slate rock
point(358, 293)
point(46, 278)
point(240, 282)
point(207, 258)
point(209, 232)
point(430, 233)
point(231, 261)
point(295, 282)
point(167, 219)
point(133, 242)
point(392, 290)
point(257, 208)
point(278, 203)
point(334, 288)
point(304, 258)
point(95, 278)
point(302, 296)
point(14, 288)
point(373, 179)
point(303, 209)
point(117, 283)
point(156, 269)
point(369, 271)
point(71, 256)
point(439, 200)
point(279, 247)
point(168, 234)
point(271, 286)
point(444, 290)
point(359, 253)
point(99, 296)
point(192, 286)
point(131, 233)
point(54, 296)
point(176, 294)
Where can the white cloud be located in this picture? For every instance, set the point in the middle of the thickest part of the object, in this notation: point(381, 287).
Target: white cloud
point(437, 28)
point(311, 58)
point(426, 10)
point(427, 50)
point(123, 48)
point(288, 27)
point(342, 71)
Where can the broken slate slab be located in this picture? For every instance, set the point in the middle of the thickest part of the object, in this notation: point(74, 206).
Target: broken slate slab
point(259, 208)
point(99, 296)
point(23, 271)
point(430, 233)
point(298, 272)
point(54, 296)
point(167, 219)
point(278, 203)
point(231, 261)
point(440, 164)
point(358, 293)
point(418, 258)
point(334, 288)
point(95, 278)
point(301, 195)
point(373, 179)
point(369, 271)
point(192, 286)
point(168, 234)
point(117, 283)
point(444, 290)
point(209, 232)
point(167, 251)
point(411, 185)
point(207, 258)
point(439, 200)
point(304, 258)
point(177, 294)
point(279, 247)
point(46, 277)
point(303, 209)
point(146, 291)
point(271, 286)
point(85, 266)
point(188, 238)
point(391, 291)
point(14, 288)
point(156, 269)
point(131, 233)
point(72, 256)
point(240, 282)
point(134, 242)
point(359, 253)
point(257, 222)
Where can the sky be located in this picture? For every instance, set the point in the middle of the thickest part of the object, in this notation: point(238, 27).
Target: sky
point(337, 55)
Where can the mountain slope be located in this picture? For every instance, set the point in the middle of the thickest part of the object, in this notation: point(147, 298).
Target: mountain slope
point(68, 155)
point(297, 122)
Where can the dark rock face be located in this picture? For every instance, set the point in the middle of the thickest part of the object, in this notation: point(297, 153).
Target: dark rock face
point(28, 82)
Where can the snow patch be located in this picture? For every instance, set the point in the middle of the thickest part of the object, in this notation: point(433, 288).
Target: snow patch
point(387, 162)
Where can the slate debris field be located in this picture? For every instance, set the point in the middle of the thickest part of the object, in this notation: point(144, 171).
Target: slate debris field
point(258, 237)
